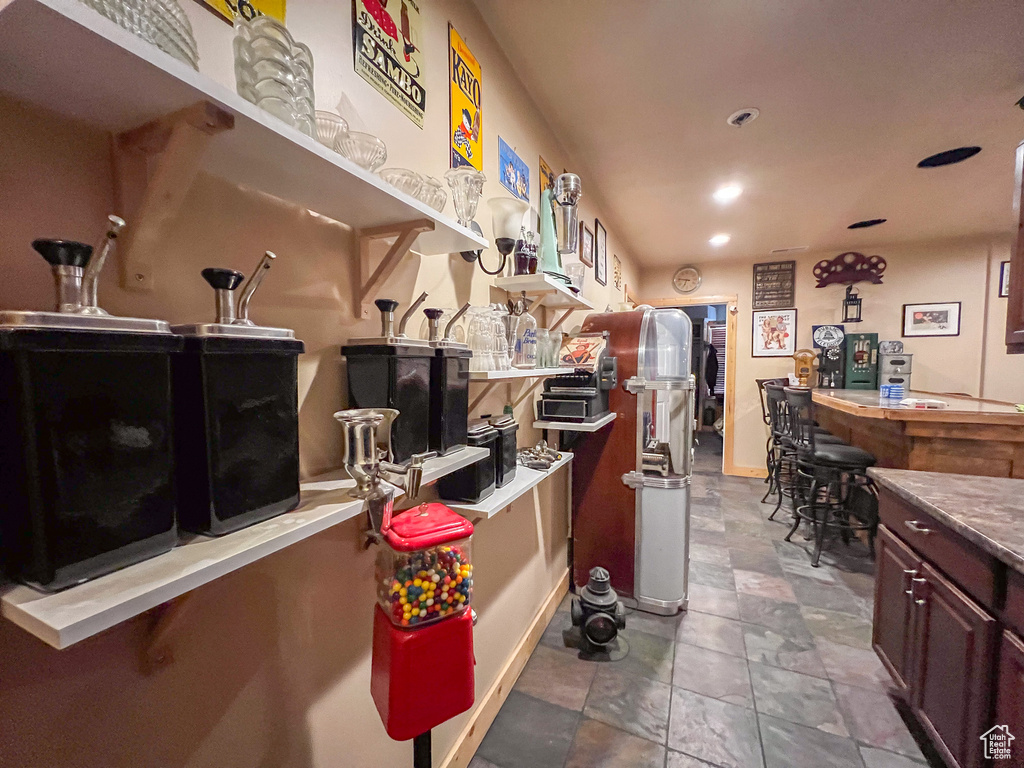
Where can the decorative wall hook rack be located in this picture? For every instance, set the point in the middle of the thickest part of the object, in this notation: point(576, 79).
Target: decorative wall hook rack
point(849, 268)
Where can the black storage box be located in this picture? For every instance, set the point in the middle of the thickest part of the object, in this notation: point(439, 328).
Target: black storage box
point(449, 399)
point(505, 461)
point(86, 452)
point(394, 376)
point(236, 416)
point(475, 482)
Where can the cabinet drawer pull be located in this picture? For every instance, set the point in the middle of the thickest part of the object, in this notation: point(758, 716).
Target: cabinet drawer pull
point(916, 527)
point(913, 590)
point(911, 572)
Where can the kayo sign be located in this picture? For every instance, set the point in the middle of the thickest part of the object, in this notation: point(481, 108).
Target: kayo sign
point(247, 9)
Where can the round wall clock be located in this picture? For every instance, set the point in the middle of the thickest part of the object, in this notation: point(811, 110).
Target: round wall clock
point(686, 279)
point(826, 336)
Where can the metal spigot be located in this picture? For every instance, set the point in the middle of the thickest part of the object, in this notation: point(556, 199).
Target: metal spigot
point(67, 259)
point(451, 323)
point(91, 279)
point(251, 286)
point(409, 313)
point(387, 309)
point(433, 323)
point(408, 478)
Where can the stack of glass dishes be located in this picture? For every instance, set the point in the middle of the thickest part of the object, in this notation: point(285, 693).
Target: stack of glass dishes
point(426, 189)
point(274, 72)
point(160, 22)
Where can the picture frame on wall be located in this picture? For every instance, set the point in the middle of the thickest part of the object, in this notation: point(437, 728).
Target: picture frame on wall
point(600, 253)
point(773, 333)
point(586, 245)
point(938, 319)
point(1004, 279)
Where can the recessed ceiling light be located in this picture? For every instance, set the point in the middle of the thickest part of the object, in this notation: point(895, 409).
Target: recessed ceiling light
point(741, 117)
point(719, 240)
point(867, 223)
point(726, 194)
point(949, 157)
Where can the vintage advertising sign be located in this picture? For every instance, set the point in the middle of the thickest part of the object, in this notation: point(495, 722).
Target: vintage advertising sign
point(386, 51)
point(774, 284)
point(464, 103)
point(247, 9)
point(547, 176)
point(513, 173)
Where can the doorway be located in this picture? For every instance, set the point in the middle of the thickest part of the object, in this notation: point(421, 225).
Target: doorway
point(713, 351)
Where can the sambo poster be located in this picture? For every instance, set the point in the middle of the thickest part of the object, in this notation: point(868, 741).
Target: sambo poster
point(386, 48)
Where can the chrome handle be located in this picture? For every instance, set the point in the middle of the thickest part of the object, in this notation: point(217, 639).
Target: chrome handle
point(250, 288)
point(917, 600)
point(911, 572)
point(916, 527)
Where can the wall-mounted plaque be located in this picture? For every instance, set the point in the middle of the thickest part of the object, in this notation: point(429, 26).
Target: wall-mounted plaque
point(774, 285)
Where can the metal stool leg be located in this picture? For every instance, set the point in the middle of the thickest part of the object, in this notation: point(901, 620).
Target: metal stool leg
point(821, 526)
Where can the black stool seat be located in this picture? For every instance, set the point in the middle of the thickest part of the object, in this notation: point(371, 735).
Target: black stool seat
point(826, 438)
point(841, 456)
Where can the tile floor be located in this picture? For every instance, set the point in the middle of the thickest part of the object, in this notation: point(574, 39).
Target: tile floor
point(771, 667)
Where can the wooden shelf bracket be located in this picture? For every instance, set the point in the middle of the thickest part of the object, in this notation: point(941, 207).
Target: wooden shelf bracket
point(158, 644)
point(149, 197)
point(369, 281)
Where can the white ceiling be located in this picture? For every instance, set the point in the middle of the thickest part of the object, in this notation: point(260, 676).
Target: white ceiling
point(852, 95)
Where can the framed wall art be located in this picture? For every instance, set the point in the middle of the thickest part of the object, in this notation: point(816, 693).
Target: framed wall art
point(932, 319)
point(773, 333)
point(1004, 279)
point(600, 253)
point(586, 245)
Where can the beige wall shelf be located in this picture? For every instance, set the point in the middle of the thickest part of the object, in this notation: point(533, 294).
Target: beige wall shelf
point(524, 481)
point(64, 618)
point(63, 56)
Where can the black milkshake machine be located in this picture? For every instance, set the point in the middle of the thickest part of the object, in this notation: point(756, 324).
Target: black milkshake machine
point(236, 413)
point(86, 455)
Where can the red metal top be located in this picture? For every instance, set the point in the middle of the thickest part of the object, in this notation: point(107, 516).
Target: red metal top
point(426, 526)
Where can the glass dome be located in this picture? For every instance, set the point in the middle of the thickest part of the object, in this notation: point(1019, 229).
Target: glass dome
point(666, 337)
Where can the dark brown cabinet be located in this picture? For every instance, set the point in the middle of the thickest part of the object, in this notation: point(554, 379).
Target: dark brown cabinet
point(939, 645)
point(1015, 303)
point(1010, 694)
point(895, 564)
point(954, 645)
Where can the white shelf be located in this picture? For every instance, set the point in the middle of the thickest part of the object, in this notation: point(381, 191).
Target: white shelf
point(549, 291)
point(64, 618)
point(569, 426)
point(525, 479)
point(65, 57)
point(524, 373)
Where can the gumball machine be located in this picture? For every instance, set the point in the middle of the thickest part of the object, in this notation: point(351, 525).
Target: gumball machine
point(423, 620)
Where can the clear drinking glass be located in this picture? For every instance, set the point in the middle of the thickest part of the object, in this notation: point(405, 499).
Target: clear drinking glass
point(502, 358)
point(575, 273)
point(467, 185)
point(480, 336)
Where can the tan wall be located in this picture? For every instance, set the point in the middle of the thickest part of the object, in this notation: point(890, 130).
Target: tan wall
point(944, 271)
point(271, 662)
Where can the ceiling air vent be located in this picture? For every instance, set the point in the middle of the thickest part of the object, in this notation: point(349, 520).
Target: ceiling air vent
point(743, 116)
point(783, 251)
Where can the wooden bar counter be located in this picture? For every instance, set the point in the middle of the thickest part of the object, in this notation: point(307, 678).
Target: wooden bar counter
point(970, 436)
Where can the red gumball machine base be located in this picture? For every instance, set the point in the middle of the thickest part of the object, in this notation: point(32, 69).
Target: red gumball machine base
point(401, 657)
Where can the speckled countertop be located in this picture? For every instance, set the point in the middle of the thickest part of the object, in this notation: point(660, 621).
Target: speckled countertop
point(987, 511)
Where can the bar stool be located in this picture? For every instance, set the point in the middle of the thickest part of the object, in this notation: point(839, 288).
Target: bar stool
point(783, 446)
point(769, 446)
point(831, 489)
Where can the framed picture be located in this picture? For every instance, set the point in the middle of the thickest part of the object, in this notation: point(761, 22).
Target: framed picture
point(931, 319)
point(586, 245)
point(600, 253)
point(616, 272)
point(1004, 279)
point(773, 333)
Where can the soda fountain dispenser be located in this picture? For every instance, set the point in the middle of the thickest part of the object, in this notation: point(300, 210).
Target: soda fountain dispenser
point(86, 456)
point(631, 480)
